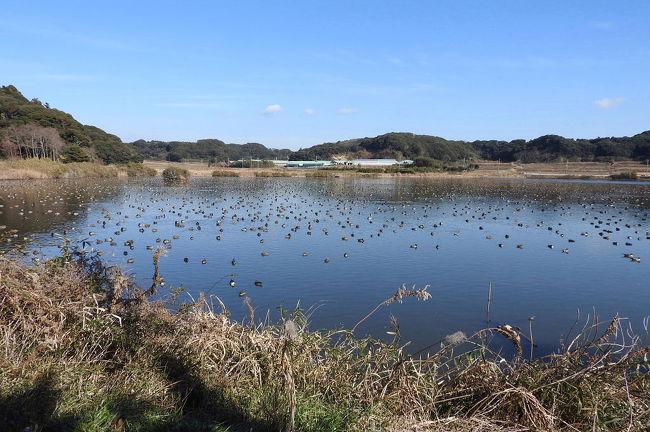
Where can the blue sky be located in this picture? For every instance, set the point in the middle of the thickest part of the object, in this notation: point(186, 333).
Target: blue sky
point(292, 74)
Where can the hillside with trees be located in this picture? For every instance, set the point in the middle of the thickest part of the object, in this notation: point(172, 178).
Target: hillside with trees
point(550, 148)
point(402, 145)
point(397, 145)
point(30, 128)
point(212, 150)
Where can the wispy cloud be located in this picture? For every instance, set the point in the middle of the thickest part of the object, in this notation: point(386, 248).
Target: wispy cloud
point(66, 77)
point(603, 25)
point(310, 111)
point(346, 111)
point(345, 57)
point(52, 32)
point(393, 87)
point(272, 109)
point(608, 103)
point(186, 105)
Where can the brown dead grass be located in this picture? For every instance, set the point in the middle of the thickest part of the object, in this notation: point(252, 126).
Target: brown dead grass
point(82, 347)
point(45, 168)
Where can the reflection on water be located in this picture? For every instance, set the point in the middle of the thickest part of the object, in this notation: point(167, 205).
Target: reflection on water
point(344, 245)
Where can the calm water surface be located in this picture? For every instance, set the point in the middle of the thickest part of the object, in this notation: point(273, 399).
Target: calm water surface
point(457, 236)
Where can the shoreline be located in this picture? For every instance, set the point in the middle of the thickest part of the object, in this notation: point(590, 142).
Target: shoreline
point(46, 169)
point(486, 170)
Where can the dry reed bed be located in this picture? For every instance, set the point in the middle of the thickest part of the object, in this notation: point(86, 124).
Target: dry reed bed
point(45, 168)
point(82, 348)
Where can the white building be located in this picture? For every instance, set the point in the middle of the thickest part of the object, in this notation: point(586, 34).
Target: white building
point(379, 162)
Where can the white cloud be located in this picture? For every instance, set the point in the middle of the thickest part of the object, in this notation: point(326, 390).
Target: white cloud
point(345, 111)
point(607, 103)
point(310, 111)
point(272, 109)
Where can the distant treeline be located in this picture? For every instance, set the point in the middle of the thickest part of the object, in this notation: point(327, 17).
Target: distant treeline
point(30, 128)
point(548, 148)
point(212, 150)
point(392, 145)
point(34, 129)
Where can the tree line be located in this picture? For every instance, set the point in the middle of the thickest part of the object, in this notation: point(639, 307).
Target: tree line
point(210, 150)
point(30, 128)
point(548, 148)
point(400, 146)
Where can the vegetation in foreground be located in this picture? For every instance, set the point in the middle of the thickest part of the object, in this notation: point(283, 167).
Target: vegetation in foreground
point(82, 348)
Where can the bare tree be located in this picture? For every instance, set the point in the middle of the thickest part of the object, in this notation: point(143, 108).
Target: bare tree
point(31, 141)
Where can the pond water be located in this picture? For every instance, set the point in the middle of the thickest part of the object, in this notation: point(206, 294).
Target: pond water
point(341, 246)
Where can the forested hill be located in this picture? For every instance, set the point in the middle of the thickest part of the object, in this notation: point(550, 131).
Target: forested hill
point(402, 145)
point(206, 149)
point(59, 135)
point(550, 148)
point(547, 148)
point(21, 117)
point(392, 145)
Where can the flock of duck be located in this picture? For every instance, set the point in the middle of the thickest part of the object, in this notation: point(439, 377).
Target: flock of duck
point(311, 210)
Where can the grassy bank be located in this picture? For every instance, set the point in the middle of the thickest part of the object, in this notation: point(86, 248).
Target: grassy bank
point(272, 174)
point(45, 168)
point(484, 169)
point(82, 348)
point(225, 173)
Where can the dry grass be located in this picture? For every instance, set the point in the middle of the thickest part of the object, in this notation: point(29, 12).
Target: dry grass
point(626, 175)
point(82, 348)
point(486, 169)
point(319, 173)
point(45, 168)
point(272, 174)
point(134, 169)
point(225, 173)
